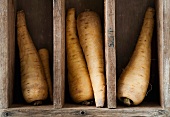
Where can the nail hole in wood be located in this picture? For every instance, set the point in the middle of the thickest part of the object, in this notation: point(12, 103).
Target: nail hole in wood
point(82, 112)
point(6, 114)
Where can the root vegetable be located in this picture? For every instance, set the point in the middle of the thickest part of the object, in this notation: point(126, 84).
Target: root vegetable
point(91, 41)
point(44, 56)
point(134, 80)
point(79, 81)
point(33, 83)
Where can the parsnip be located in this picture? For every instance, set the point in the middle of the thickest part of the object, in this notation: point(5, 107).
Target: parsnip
point(33, 83)
point(79, 83)
point(44, 56)
point(91, 41)
point(134, 80)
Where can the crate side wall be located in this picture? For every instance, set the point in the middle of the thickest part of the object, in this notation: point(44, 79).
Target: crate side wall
point(4, 52)
point(166, 52)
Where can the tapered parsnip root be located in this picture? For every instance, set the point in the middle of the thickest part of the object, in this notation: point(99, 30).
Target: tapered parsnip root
point(78, 78)
point(33, 83)
point(44, 56)
point(134, 80)
point(91, 41)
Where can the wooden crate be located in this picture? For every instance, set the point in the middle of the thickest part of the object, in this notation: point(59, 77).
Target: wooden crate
point(122, 21)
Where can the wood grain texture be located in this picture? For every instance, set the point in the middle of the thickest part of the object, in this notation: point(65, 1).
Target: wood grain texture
point(59, 52)
point(84, 111)
point(6, 52)
point(166, 52)
point(110, 52)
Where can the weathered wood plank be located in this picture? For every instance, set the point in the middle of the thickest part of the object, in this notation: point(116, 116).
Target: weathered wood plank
point(85, 112)
point(6, 51)
point(59, 52)
point(110, 52)
point(4, 54)
point(166, 52)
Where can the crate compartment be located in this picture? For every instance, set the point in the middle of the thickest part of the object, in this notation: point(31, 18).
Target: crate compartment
point(39, 23)
point(98, 7)
point(81, 6)
point(129, 20)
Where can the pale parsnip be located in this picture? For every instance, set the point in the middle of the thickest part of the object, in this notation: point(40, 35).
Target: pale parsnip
point(134, 80)
point(33, 83)
point(91, 40)
point(79, 81)
point(44, 56)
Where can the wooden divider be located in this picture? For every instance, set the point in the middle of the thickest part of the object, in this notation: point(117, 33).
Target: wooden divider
point(59, 52)
point(110, 52)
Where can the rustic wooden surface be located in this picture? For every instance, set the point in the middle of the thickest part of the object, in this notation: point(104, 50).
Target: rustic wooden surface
point(165, 52)
point(6, 51)
point(110, 52)
point(84, 111)
point(59, 52)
